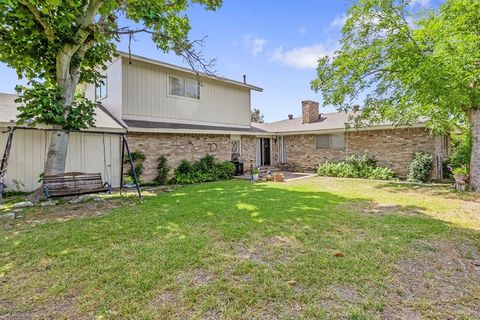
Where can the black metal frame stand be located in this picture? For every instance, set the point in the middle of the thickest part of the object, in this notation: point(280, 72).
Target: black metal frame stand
point(132, 166)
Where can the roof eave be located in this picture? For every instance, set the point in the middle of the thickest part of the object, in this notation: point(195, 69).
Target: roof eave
point(197, 131)
point(178, 68)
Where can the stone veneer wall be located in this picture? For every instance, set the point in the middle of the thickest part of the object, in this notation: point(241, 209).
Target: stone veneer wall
point(191, 147)
point(302, 155)
point(249, 152)
point(392, 148)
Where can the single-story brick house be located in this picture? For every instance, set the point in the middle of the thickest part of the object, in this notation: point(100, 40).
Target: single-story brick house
point(305, 142)
point(169, 110)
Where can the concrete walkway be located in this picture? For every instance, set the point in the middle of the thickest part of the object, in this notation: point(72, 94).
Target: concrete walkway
point(289, 176)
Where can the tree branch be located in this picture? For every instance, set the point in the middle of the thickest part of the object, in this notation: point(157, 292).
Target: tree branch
point(66, 53)
point(38, 17)
point(194, 58)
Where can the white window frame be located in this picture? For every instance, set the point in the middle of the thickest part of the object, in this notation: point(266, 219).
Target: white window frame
point(98, 86)
point(170, 94)
point(330, 147)
point(281, 150)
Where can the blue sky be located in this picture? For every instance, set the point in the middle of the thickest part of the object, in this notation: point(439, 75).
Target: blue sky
point(275, 43)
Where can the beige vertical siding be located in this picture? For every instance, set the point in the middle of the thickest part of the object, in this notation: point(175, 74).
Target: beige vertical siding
point(145, 97)
point(85, 154)
point(113, 100)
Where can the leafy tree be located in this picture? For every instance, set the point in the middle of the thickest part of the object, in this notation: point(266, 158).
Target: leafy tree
point(409, 65)
point(256, 116)
point(461, 148)
point(58, 44)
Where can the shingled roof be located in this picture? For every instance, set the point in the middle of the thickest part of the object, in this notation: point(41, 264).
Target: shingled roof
point(8, 115)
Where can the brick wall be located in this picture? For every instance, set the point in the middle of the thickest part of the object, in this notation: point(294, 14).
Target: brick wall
point(309, 111)
point(300, 151)
point(249, 154)
point(392, 148)
point(191, 147)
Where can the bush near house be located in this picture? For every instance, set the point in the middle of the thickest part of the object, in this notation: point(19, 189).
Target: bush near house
point(204, 170)
point(461, 149)
point(363, 166)
point(421, 167)
point(138, 157)
point(162, 170)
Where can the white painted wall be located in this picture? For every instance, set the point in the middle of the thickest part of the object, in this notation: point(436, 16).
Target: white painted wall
point(85, 154)
point(113, 100)
point(145, 97)
point(139, 91)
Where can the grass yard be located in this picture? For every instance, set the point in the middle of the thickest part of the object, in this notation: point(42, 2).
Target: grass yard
point(306, 249)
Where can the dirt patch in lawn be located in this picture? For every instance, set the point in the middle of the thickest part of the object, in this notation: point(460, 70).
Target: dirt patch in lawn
point(65, 211)
point(164, 299)
point(270, 251)
point(338, 299)
point(199, 277)
point(273, 310)
point(51, 309)
point(372, 208)
point(441, 281)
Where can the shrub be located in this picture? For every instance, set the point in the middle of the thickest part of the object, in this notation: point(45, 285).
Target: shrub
point(162, 170)
point(138, 157)
point(460, 170)
point(382, 173)
point(203, 170)
point(362, 166)
point(461, 149)
point(421, 167)
point(184, 167)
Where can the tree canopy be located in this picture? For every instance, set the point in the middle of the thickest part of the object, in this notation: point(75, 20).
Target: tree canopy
point(407, 65)
point(50, 42)
point(256, 116)
point(57, 44)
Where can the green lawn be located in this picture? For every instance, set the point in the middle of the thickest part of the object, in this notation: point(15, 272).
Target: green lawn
point(311, 248)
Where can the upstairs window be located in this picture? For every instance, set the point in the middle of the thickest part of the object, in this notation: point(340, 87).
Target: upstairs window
point(186, 88)
point(330, 141)
point(101, 88)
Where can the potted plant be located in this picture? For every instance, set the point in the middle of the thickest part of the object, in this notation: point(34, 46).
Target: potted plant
point(460, 174)
point(255, 174)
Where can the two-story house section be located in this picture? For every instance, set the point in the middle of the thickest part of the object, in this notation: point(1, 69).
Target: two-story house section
point(169, 110)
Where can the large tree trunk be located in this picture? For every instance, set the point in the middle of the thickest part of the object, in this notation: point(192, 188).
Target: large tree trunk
point(57, 152)
point(475, 159)
point(67, 80)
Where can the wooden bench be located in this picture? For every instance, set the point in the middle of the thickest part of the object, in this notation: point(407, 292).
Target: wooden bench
point(74, 183)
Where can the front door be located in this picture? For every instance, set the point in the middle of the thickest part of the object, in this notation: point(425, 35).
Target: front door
point(265, 154)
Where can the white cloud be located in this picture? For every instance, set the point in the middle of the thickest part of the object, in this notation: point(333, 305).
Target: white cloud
point(338, 22)
point(423, 3)
point(302, 30)
point(254, 44)
point(302, 57)
point(258, 44)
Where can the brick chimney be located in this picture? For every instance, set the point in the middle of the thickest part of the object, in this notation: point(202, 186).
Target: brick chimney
point(310, 111)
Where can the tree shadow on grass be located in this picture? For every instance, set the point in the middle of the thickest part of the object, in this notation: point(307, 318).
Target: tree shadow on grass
point(444, 190)
point(218, 248)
